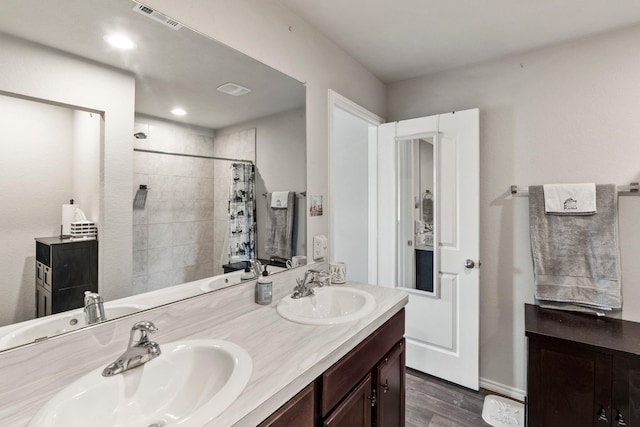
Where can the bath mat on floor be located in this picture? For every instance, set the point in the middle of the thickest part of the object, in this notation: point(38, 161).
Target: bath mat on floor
point(502, 412)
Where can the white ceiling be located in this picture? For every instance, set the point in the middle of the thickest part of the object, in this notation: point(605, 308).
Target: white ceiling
point(171, 68)
point(401, 39)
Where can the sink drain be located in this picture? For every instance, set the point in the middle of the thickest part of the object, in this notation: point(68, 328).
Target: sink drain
point(160, 424)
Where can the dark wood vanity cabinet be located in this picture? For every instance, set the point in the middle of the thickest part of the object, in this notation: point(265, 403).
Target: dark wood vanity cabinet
point(626, 391)
point(365, 388)
point(355, 409)
point(583, 370)
point(299, 411)
point(390, 388)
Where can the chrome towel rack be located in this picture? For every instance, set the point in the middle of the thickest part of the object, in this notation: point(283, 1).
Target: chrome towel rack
point(632, 188)
point(302, 194)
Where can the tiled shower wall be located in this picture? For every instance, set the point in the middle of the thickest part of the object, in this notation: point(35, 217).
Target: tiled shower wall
point(174, 238)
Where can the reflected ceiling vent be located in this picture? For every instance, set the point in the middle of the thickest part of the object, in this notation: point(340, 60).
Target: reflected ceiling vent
point(157, 16)
point(233, 89)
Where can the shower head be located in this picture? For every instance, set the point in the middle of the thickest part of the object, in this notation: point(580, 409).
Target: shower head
point(140, 135)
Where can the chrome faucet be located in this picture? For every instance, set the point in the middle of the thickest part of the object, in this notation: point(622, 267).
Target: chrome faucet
point(93, 308)
point(138, 352)
point(305, 286)
point(256, 265)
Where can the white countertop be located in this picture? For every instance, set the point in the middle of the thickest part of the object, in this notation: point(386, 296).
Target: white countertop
point(286, 356)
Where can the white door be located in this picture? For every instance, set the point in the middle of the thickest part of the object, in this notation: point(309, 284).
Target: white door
point(442, 328)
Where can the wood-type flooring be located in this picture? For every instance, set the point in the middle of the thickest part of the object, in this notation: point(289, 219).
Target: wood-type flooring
point(432, 402)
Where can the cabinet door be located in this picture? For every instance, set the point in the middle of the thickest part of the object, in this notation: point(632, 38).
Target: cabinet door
point(390, 388)
point(299, 411)
point(75, 265)
point(626, 391)
point(568, 385)
point(355, 410)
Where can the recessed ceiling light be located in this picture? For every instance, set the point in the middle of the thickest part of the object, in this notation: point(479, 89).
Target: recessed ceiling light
point(179, 111)
point(120, 41)
point(233, 89)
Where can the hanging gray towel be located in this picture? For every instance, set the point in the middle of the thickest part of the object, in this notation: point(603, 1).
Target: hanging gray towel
point(279, 229)
point(576, 259)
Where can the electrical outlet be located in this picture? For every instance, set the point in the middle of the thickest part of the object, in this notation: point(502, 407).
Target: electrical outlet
point(319, 247)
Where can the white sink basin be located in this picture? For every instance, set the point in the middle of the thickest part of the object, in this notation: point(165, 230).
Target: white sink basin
point(57, 324)
point(220, 282)
point(189, 384)
point(327, 306)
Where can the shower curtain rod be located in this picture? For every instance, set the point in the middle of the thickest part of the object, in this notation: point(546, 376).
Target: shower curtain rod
point(141, 150)
point(633, 188)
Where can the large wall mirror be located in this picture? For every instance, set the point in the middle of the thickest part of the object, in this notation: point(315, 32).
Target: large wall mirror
point(176, 146)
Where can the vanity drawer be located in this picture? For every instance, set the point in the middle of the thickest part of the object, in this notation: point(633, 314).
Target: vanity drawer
point(338, 380)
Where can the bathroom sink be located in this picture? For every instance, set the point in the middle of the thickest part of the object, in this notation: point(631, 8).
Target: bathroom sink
point(189, 384)
point(222, 281)
point(327, 306)
point(60, 323)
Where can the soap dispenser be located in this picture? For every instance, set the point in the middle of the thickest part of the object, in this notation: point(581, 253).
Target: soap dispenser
point(248, 274)
point(264, 288)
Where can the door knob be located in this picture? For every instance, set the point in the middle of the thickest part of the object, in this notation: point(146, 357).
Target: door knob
point(469, 263)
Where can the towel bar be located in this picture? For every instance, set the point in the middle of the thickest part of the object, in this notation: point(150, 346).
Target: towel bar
point(633, 187)
point(302, 194)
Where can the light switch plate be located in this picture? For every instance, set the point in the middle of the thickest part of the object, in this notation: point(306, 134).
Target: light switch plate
point(319, 247)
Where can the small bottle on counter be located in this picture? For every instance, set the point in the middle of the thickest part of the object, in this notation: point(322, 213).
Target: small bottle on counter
point(263, 288)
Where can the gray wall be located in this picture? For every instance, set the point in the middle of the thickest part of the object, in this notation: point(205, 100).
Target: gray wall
point(47, 75)
point(281, 165)
point(562, 114)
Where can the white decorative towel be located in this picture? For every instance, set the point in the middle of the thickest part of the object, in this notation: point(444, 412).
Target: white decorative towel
point(279, 199)
point(570, 199)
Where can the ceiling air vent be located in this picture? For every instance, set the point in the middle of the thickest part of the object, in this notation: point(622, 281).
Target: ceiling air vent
point(233, 89)
point(157, 16)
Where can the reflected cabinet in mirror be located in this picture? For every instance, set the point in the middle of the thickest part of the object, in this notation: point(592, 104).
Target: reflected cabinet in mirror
point(417, 226)
point(187, 157)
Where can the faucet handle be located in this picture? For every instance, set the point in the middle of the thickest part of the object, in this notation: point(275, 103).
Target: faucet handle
point(145, 327)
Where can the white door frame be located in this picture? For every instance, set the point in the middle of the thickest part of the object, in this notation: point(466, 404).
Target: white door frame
point(338, 101)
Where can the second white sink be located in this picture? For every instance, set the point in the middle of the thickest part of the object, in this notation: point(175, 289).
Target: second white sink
point(189, 384)
point(49, 326)
point(327, 306)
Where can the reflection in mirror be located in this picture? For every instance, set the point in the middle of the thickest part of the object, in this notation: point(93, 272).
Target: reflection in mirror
point(417, 226)
point(84, 116)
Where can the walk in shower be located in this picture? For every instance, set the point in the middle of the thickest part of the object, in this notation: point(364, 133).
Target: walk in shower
point(190, 221)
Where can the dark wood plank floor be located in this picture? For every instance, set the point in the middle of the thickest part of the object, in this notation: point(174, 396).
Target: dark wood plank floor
point(432, 402)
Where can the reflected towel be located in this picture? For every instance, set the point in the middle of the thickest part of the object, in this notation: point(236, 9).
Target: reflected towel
point(279, 199)
point(279, 228)
point(570, 199)
point(576, 258)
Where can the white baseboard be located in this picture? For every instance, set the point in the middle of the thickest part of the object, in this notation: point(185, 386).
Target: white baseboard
point(502, 389)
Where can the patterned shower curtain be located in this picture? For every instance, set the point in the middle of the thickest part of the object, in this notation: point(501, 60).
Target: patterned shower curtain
point(242, 213)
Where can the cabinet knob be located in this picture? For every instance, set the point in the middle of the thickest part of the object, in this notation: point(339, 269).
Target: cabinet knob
point(602, 414)
point(619, 419)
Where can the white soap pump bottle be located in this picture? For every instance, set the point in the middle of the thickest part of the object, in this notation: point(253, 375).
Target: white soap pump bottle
point(264, 285)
